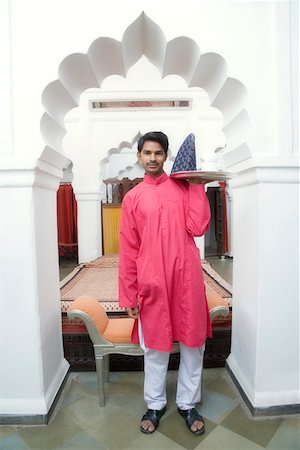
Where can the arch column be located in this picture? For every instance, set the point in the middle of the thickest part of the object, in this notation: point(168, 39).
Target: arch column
point(32, 362)
point(89, 224)
point(264, 359)
point(229, 204)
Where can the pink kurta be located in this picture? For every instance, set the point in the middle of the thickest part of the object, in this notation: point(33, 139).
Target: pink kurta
point(160, 269)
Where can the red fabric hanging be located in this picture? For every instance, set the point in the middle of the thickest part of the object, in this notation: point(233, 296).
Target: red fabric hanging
point(67, 221)
point(225, 230)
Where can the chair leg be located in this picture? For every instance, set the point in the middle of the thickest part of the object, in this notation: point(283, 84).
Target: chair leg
point(100, 376)
point(106, 368)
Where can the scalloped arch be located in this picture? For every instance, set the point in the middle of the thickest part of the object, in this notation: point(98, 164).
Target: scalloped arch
point(116, 150)
point(181, 56)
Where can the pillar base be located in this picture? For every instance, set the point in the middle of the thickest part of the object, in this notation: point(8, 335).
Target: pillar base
point(34, 419)
point(267, 411)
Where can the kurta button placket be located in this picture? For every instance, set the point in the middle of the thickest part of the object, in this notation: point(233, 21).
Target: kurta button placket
point(163, 210)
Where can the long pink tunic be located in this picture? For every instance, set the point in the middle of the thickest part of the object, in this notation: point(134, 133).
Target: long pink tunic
point(160, 269)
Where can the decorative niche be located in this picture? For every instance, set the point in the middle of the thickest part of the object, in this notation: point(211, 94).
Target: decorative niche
point(125, 105)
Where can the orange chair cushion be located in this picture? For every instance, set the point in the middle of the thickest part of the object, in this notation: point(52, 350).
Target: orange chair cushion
point(118, 331)
point(214, 299)
point(93, 309)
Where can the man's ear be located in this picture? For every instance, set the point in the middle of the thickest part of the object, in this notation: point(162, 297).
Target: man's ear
point(138, 156)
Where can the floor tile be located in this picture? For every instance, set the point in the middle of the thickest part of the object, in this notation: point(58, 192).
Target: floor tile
point(81, 441)
point(287, 437)
point(136, 406)
point(222, 439)
point(222, 386)
point(293, 420)
point(6, 431)
point(258, 431)
point(153, 441)
point(175, 429)
point(13, 442)
point(74, 391)
point(87, 379)
point(222, 266)
point(135, 377)
point(79, 423)
point(216, 406)
point(86, 411)
point(66, 266)
point(212, 374)
point(121, 392)
point(116, 431)
point(48, 436)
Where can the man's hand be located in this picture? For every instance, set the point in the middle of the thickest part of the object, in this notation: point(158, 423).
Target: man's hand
point(133, 312)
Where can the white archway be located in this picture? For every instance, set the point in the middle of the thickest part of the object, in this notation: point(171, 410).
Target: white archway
point(107, 56)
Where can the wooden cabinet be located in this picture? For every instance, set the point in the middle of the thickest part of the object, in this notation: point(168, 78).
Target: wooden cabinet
point(218, 228)
point(111, 211)
point(111, 214)
point(220, 222)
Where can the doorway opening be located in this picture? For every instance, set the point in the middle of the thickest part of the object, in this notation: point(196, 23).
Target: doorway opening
point(216, 239)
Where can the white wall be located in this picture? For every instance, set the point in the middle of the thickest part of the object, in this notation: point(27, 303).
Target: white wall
point(32, 363)
point(265, 331)
point(95, 136)
point(257, 41)
point(230, 29)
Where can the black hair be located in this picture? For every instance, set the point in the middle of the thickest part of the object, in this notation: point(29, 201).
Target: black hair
point(155, 136)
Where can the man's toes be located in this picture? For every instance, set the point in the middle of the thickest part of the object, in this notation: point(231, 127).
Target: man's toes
point(194, 427)
point(197, 425)
point(147, 425)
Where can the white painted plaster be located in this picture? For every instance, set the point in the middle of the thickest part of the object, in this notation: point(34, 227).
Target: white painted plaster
point(32, 362)
point(265, 341)
point(198, 20)
point(244, 42)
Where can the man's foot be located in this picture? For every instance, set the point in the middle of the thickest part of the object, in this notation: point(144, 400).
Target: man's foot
point(194, 421)
point(150, 420)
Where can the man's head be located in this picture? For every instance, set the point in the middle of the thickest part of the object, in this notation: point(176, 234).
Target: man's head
point(152, 152)
point(154, 136)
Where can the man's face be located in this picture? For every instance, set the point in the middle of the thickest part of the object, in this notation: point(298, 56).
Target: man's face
point(152, 157)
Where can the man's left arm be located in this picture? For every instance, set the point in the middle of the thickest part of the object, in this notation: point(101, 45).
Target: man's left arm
point(198, 209)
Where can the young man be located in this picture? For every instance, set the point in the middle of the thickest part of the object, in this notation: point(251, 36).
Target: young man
point(161, 280)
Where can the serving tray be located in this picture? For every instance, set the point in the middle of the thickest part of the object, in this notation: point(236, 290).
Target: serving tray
point(202, 175)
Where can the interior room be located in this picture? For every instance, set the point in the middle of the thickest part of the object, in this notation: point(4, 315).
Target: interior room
point(82, 82)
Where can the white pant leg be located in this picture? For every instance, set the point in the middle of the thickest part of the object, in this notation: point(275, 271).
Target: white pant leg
point(155, 369)
point(189, 376)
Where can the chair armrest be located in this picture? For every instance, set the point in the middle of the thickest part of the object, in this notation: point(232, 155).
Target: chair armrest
point(218, 311)
point(217, 305)
point(94, 334)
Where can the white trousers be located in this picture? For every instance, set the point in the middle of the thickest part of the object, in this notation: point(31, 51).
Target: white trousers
point(189, 376)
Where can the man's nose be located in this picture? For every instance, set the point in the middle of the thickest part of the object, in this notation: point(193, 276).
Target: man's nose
point(153, 157)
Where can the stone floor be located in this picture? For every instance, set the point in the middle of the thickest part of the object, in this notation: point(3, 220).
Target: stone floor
point(78, 422)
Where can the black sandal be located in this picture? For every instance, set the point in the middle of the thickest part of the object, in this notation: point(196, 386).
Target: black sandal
point(154, 415)
point(190, 416)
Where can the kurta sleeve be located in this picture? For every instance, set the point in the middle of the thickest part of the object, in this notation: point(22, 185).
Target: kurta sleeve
point(129, 248)
point(198, 210)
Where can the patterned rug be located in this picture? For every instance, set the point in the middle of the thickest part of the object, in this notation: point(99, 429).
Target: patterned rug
point(99, 279)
